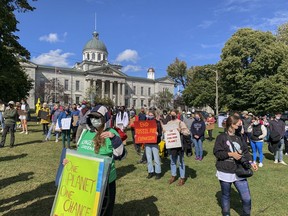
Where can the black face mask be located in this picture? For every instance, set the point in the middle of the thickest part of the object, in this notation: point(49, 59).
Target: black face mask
point(173, 117)
point(11, 106)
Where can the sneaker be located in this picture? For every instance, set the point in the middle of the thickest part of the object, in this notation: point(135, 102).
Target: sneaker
point(282, 162)
point(260, 164)
point(254, 162)
point(200, 158)
point(157, 176)
point(150, 175)
point(22, 132)
point(196, 158)
point(286, 153)
point(26, 132)
point(276, 161)
point(2, 132)
point(56, 140)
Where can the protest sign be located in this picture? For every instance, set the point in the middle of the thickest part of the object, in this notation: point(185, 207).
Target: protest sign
point(172, 136)
point(82, 185)
point(145, 131)
point(221, 119)
point(43, 115)
point(66, 124)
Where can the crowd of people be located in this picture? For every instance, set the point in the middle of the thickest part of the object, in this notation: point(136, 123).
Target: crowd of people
point(241, 131)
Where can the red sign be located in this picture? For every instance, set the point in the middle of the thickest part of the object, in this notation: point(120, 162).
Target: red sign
point(145, 131)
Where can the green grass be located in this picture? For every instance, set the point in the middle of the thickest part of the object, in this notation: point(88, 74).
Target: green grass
point(27, 174)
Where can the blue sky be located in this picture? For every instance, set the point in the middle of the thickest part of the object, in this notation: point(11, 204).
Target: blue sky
point(142, 33)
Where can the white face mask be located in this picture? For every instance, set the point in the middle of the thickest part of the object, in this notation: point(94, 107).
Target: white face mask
point(278, 117)
point(256, 123)
point(96, 122)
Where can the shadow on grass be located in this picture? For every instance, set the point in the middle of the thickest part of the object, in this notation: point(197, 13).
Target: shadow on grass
point(30, 142)
point(124, 170)
point(11, 180)
point(190, 173)
point(12, 157)
point(269, 156)
point(43, 190)
point(142, 207)
point(235, 201)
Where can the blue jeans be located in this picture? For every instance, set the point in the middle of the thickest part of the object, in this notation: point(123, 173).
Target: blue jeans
point(179, 158)
point(153, 149)
point(257, 146)
point(198, 147)
point(243, 189)
point(279, 153)
point(50, 131)
point(2, 121)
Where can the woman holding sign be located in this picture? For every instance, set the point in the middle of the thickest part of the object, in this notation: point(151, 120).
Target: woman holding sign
point(100, 139)
point(152, 149)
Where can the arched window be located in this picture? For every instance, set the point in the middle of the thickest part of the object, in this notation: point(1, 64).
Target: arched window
point(93, 56)
point(88, 56)
point(99, 57)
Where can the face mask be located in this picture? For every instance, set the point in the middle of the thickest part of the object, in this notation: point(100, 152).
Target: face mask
point(96, 122)
point(164, 114)
point(278, 117)
point(255, 123)
point(83, 106)
point(173, 117)
point(10, 105)
point(150, 117)
point(188, 116)
point(197, 118)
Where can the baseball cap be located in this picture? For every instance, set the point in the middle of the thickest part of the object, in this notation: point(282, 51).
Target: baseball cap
point(11, 102)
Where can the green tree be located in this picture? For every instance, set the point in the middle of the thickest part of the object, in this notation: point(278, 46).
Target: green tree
point(14, 82)
point(178, 72)
point(248, 57)
point(282, 33)
point(163, 100)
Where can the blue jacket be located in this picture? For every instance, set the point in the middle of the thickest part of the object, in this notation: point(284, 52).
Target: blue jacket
point(62, 115)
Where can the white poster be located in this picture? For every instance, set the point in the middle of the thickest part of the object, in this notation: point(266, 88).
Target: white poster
point(66, 124)
point(172, 136)
point(220, 120)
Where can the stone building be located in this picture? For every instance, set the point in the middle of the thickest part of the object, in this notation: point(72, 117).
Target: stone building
point(94, 76)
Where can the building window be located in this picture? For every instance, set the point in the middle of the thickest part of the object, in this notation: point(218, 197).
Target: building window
point(149, 91)
point(93, 56)
point(149, 103)
point(134, 102)
point(134, 90)
point(88, 56)
point(66, 98)
point(77, 85)
point(142, 103)
point(99, 57)
point(142, 91)
point(66, 84)
point(77, 99)
point(127, 102)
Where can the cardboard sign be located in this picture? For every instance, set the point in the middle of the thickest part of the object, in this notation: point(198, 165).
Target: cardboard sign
point(145, 131)
point(172, 136)
point(75, 120)
point(82, 185)
point(66, 124)
point(43, 114)
point(220, 121)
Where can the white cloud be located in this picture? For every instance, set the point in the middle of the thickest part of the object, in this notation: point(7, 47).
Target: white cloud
point(53, 37)
point(128, 55)
point(53, 58)
point(131, 68)
point(206, 24)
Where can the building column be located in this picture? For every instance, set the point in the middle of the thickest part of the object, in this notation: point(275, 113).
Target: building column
point(123, 94)
point(103, 89)
point(111, 90)
point(118, 94)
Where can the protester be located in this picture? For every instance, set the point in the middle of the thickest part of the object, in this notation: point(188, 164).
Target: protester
point(45, 121)
point(107, 142)
point(152, 150)
point(10, 116)
point(226, 166)
point(75, 121)
point(66, 113)
point(85, 110)
point(246, 121)
point(189, 119)
point(131, 126)
point(55, 112)
point(142, 114)
point(2, 109)
point(177, 154)
point(258, 133)
point(277, 132)
point(24, 116)
point(197, 131)
point(210, 125)
point(122, 119)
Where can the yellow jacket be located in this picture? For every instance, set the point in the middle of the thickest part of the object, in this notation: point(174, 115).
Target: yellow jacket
point(47, 120)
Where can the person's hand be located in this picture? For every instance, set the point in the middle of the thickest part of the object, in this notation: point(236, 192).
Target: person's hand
point(156, 133)
point(107, 134)
point(196, 136)
point(254, 166)
point(65, 161)
point(235, 155)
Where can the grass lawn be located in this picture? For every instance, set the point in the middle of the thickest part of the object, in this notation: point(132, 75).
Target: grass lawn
point(28, 170)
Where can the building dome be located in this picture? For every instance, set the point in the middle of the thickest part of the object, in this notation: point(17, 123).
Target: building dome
point(95, 44)
point(95, 50)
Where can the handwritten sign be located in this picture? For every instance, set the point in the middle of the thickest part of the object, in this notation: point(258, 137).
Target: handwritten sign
point(82, 187)
point(172, 136)
point(66, 124)
point(43, 114)
point(145, 131)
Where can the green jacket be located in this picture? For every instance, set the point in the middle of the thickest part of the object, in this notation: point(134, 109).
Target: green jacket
point(10, 116)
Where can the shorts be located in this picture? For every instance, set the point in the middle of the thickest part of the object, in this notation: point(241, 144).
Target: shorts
point(22, 117)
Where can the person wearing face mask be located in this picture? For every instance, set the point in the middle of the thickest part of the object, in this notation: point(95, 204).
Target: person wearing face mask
point(258, 133)
point(24, 116)
point(66, 113)
point(98, 138)
point(75, 121)
point(55, 112)
point(165, 117)
point(10, 116)
point(152, 150)
point(277, 132)
point(226, 155)
point(197, 130)
point(82, 123)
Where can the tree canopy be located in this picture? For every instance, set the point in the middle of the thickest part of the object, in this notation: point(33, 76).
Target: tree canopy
point(178, 72)
point(14, 82)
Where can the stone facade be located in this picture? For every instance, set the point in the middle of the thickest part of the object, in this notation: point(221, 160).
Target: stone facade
point(94, 76)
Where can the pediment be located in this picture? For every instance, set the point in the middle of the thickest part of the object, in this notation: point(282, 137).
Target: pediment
point(165, 79)
point(28, 64)
point(108, 71)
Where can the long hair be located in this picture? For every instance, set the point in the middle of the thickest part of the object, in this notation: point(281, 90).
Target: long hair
point(231, 120)
point(98, 141)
